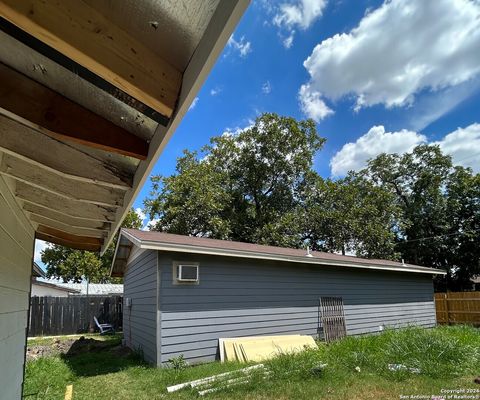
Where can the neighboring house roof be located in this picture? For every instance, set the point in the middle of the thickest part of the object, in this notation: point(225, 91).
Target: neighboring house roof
point(196, 245)
point(37, 271)
point(54, 285)
point(94, 288)
point(81, 288)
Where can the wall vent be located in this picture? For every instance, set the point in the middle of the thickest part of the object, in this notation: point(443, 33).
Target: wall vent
point(332, 318)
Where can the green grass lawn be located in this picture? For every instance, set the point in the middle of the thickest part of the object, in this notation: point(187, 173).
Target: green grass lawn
point(357, 368)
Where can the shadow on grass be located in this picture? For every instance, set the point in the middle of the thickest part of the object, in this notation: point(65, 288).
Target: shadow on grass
point(90, 357)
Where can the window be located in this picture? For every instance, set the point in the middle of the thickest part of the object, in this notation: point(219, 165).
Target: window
point(185, 273)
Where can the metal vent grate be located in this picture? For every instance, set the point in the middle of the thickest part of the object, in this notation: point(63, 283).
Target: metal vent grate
point(333, 318)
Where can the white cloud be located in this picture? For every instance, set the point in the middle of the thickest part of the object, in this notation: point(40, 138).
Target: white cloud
point(312, 104)
point(433, 106)
point(242, 46)
point(215, 91)
point(151, 224)
point(147, 224)
point(266, 87)
point(194, 103)
point(40, 245)
point(463, 145)
point(398, 50)
point(300, 14)
point(288, 41)
point(237, 130)
point(354, 156)
point(140, 213)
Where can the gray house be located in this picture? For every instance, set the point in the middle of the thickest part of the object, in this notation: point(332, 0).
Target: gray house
point(181, 294)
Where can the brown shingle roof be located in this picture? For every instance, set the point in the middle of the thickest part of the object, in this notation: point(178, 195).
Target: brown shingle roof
point(150, 239)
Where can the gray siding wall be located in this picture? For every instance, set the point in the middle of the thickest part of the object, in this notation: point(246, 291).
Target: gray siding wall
point(241, 297)
point(140, 320)
point(16, 252)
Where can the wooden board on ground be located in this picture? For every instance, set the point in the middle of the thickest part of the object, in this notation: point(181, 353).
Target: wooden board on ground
point(227, 349)
point(257, 348)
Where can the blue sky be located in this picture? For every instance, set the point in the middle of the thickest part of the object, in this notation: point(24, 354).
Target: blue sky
point(257, 72)
point(375, 77)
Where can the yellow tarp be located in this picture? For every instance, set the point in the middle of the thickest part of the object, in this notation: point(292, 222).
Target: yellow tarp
point(257, 348)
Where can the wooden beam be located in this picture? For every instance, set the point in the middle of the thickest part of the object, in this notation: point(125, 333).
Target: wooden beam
point(214, 39)
point(84, 35)
point(42, 151)
point(23, 171)
point(97, 233)
point(68, 237)
point(74, 222)
point(62, 118)
point(68, 207)
point(66, 243)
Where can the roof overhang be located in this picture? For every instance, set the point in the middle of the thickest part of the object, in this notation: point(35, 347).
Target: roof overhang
point(37, 272)
point(126, 241)
point(90, 93)
point(54, 286)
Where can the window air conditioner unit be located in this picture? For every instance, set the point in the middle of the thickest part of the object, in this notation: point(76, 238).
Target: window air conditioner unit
point(187, 273)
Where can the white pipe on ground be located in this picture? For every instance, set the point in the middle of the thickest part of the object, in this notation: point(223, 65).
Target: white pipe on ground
point(198, 382)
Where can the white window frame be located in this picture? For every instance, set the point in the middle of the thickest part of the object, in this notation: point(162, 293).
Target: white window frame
point(177, 264)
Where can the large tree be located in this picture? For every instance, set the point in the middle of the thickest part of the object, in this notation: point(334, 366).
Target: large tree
point(258, 186)
point(72, 265)
point(439, 224)
point(417, 181)
point(462, 240)
point(192, 201)
point(349, 215)
point(244, 188)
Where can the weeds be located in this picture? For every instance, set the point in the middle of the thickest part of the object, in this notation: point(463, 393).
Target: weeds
point(437, 353)
point(178, 363)
point(445, 356)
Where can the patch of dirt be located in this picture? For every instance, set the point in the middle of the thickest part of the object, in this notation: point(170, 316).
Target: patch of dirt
point(57, 347)
point(73, 347)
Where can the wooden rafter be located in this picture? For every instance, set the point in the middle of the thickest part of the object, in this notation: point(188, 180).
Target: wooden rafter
point(22, 171)
point(68, 207)
point(82, 34)
point(67, 236)
point(97, 233)
point(39, 106)
point(76, 222)
point(68, 240)
point(42, 151)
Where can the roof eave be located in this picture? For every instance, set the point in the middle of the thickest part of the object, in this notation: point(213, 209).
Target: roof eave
point(221, 26)
point(193, 249)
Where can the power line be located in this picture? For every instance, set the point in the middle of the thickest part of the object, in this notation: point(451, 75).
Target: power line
point(439, 236)
point(466, 158)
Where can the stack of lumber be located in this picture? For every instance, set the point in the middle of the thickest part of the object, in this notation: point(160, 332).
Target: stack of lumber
point(258, 348)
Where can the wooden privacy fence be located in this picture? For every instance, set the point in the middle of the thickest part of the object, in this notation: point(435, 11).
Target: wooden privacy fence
point(69, 315)
point(458, 308)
